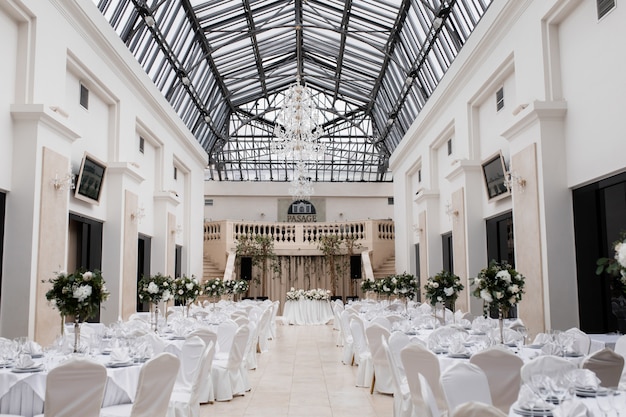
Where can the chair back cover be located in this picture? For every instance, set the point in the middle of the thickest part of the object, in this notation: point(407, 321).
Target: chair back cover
point(75, 388)
point(477, 409)
point(375, 333)
point(463, 382)
point(192, 350)
point(225, 333)
point(620, 348)
point(205, 334)
point(156, 381)
point(607, 365)
point(502, 368)
point(582, 341)
point(548, 365)
point(401, 395)
point(397, 341)
point(238, 348)
point(423, 361)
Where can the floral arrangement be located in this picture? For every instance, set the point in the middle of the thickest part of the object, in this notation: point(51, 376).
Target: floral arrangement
point(616, 266)
point(186, 290)
point(78, 294)
point(214, 287)
point(443, 287)
point(314, 294)
point(155, 288)
point(368, 285)
point(402, 285)
point(236, 286)
point(499, 285)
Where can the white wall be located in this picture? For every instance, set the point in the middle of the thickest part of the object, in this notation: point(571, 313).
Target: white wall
point(556, 60)
point(249, 200)
point(49, 48)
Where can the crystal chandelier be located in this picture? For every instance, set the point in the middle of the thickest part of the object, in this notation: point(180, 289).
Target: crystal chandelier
point(297, 137)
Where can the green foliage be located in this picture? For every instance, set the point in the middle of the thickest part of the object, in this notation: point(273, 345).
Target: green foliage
point(443, 288)
point(499, 286)
point(155, 288)
point(78, 294)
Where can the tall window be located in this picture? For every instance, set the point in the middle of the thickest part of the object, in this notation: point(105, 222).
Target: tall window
point(446, 241)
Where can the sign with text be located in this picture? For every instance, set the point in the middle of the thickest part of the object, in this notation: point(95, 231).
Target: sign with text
point(302, 211)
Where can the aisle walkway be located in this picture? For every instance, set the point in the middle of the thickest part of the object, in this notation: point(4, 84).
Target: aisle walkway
point(302, 376)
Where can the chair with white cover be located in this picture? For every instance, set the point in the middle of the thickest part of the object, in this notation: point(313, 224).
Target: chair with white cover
point(225, 333)
point(191, 354)
point(250, 358)
point(347, 339)
point(337, 309)
point(207, 335)
point(423, 402)
point(581, 342)
point(402, 406)
point(75, 388)
point(362, 354)
point(186, 402)
point(548, 365)
point(425, 362)
point(381, 380)
point(477, 409)
point(275, 308)
point(264, 330)
point(502, 368)
point(156, 381)
point(463, 382)
point(607, 365)
point(397, 341)
point(227, 373)
point(382, 321)
point(620, 348)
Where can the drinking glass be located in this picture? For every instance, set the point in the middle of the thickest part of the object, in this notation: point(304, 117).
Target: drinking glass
point(618, 401)
point(604, 400)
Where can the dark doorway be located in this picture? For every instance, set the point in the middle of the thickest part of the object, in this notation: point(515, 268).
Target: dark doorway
point(143, 266)
point(85, 246)
point(501, 247)
point(355, 267)
point(448, 259)
point(246, 268)
point(417, 272)
point(599, 218)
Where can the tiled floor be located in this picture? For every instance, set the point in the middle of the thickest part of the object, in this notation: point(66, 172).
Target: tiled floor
point(301, 376)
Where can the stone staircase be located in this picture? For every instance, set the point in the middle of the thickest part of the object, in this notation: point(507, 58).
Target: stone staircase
point(387, 268)
point(210, 270)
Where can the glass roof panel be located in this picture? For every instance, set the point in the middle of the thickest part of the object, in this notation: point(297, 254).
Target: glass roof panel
point(224, 66)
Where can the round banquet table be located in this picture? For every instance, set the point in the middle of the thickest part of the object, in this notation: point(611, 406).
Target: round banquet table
point(23, 393)
point(302, 312)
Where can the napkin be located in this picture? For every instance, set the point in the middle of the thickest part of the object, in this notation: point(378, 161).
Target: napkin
point(24, 361)
point(584, 379)
point(32, 348)
point(457, 348)
point(464, 323)
point(119, 355)
point(551, 349)
point(574, 409)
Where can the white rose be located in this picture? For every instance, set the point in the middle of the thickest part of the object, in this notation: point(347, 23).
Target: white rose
point(87, 275)
point(439, 298)
point(82, 292)
point(181, 292)
point(189, 286)
point(514, 288)
point(449, 291)
point(504, 276)
point(435, 285)
point(153, 288)
point(620, 254)
point(499, 295)
point(484, 294)
point(166, 295)
point(513, 300)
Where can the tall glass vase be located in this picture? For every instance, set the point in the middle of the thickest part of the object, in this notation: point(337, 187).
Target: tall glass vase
point(76, 334)
point(501, 314)
point(155, 317)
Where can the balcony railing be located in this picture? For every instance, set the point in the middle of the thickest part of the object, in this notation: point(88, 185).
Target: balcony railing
point(299, 239)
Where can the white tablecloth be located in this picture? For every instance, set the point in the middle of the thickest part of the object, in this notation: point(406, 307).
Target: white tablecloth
point(307, 312)
point(23, 393)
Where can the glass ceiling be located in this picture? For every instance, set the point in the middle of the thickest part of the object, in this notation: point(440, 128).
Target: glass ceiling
point(224, 65)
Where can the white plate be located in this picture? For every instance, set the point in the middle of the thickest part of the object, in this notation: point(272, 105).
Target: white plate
point(119, 364)
point(536, 412)
point(36, 368)
point(459, 355)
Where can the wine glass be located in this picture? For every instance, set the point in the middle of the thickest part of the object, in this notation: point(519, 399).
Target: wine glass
point(618, 401)
point(604, 401)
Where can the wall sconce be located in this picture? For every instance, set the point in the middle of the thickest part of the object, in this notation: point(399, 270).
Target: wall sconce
point(417, 229)
point(512, 180)
point(62, 183)
point(138, 214)
point(178, 231)
point(451, 212)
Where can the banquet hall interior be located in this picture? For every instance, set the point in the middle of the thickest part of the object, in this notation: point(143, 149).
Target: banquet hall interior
point(309, 150)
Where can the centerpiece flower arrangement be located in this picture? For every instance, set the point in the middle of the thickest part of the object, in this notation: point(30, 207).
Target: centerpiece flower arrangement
point(214, 288)
point(443, 288)
point(78, 295)
point(616, 266)
point(155, 289)
point(313, 294)
point(186, 290)
point(401, 285)
point(236, 287)
point(499, 286)
point(368, 285)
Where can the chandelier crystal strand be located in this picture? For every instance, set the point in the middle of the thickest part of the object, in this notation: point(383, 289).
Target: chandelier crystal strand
point(297, 137)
